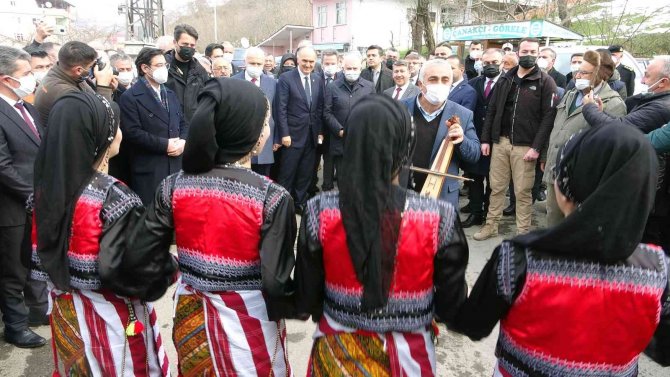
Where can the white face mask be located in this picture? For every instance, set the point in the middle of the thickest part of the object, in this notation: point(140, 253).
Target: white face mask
point(650, 88)
point(254, 72)
point(228, 56)
point(125, 78)
point(543, 63)
point(437, 93)
point(478, 66)
point(40, 75)
point(581, 84)
point(28, 84)
point(330, 70)
point(475, 54)
point(160, 75)
point(574, 68)
point(352, 76)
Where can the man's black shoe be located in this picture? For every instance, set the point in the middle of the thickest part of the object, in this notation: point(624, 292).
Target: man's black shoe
point(510, 210)
point(36, 321)
point(473, 220)
point(24, 339)
point(466, 209)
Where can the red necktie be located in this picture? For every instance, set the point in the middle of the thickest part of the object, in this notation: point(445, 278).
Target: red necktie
point(26, 118)
point(253, 80)
point(397, 93)
point(487, 91)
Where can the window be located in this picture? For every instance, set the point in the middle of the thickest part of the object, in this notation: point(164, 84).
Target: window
point(341, 13)
point(322, 12)
point(18, 37)
point(12, 3)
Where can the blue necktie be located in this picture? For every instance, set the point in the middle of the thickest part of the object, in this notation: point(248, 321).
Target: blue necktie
point(308, 92)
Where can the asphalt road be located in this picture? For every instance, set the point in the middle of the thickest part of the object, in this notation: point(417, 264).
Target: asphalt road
point(457, 356)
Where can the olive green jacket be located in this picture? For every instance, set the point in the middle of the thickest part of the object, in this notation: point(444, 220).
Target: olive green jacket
point(566, 123)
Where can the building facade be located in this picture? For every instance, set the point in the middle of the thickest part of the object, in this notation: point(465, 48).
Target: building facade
point(19, 17)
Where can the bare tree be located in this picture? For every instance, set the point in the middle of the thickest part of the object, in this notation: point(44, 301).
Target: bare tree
point(255, 20)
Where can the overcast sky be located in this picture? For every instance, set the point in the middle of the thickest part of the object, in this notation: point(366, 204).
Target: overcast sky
point(105, 11)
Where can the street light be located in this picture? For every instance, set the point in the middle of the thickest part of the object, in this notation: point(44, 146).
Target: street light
point(216, 29)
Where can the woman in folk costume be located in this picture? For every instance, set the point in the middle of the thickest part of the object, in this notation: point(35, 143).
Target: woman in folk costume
point(82, 218)
point(376, 262)
point(584, 297)
point(235, 231)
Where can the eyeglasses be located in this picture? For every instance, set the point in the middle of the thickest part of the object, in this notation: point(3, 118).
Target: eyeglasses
point(166, 65)
point(583, 73)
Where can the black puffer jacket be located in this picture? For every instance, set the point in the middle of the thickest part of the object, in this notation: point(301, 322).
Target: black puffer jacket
point(646, 112)
point(187, 89)
point(534, 110)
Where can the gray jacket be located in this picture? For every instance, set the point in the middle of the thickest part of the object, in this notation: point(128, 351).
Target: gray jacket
point(411, 91)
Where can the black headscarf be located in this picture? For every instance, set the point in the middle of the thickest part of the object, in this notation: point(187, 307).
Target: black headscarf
point(284, 58)
point(225, 126)
point(379, 141)
point(610, 173)
point(81, 128)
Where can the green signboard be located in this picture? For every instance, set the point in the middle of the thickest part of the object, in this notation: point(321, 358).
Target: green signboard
point(508, 30)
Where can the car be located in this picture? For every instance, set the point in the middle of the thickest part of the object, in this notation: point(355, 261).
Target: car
point(238, 58)
point(563, 54)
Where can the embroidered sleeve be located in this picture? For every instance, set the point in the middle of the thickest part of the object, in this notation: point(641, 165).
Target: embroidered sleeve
point(494, 292)
point(309, 270)
point(450, 263)
point(277, 252)
point(665, 304)
point(146, 267)
point(120, 200)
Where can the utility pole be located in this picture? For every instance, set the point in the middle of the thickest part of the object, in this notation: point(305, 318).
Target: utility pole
point(216, 28)
point(144, 19)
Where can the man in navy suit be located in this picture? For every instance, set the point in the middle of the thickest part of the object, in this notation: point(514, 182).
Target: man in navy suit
point(20, 136)
point(299, 117)
point(484, 87)
point(153, 125)
point(461, 92)
point(254, 61)
point(430, 110)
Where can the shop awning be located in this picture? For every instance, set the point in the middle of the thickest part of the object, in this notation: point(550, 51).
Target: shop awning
point(540, 29)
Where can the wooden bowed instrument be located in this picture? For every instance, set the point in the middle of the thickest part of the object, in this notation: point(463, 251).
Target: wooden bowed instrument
point(438, 170)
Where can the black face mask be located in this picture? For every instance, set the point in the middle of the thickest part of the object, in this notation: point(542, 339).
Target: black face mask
point(286, 68)
point(389, 63)
point(186, 53)
point(84, 76)
point(527, 61)
point(491, 70)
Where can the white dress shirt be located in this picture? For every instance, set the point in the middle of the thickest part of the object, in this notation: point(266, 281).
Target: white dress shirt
point(402, 90)
point(12, 102)
point(258, 80)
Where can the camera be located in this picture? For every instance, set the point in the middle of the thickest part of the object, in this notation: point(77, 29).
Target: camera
point(102, 64)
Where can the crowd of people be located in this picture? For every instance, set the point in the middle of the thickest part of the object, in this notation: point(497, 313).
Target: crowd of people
point(106, 161)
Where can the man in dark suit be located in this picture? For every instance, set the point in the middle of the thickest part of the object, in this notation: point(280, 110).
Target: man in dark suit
point(483, 86)
point(376, 72)
point(461, 92)
point(403, 88)
point(299, 117)
point(254, 60)
point(330, 72)
point(627, 73)
point(20, 136)
point(341, 96)
point(153, 125)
